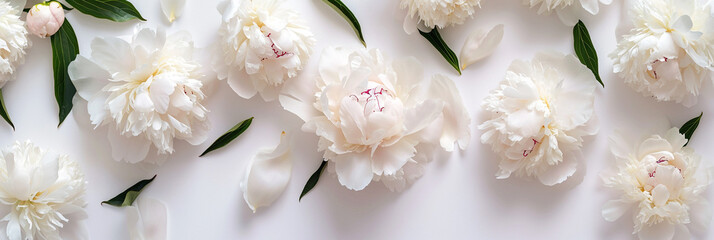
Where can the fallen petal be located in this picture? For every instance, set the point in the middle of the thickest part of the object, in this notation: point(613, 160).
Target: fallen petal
point(267, 175)
point(479, 45)
point(172, 8)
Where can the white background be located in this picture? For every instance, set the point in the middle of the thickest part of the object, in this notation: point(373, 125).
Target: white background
point(457, 198)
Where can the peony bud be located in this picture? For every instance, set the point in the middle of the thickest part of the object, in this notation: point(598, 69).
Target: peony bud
point(45, 19)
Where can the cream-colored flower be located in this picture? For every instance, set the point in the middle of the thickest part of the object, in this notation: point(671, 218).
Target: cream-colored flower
point(266, 40)
point(377, 120)
point(437, 13)
point(539, 115)
point(663, 181)
point(44, 193)
point(668, 52)
point(148, 90)
point(13, 39)
point(569, 11)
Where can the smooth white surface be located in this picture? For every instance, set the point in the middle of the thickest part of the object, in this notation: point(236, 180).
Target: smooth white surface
point(457, 198)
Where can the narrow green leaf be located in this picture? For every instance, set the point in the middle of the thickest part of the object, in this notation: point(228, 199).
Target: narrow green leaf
point(227, 137)
point(313, 179)
point(688, 128)
point(435, 39)
point(3, 111)
point(115, 10)
point(127, 197)
point(585, 50)
point(347, 15)
point(64, 50)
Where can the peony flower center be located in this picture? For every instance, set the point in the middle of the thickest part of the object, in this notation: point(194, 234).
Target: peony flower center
point(664, 68)
point(372, 99)
point(276, 51)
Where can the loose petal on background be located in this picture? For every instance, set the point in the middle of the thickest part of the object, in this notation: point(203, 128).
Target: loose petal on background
point(268, 175)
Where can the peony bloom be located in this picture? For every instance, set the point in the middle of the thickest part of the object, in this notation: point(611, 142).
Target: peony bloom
point(268, 175)
point(44, 19)
point(378, 120)
point(663, 181)
point(148, 220)
point(668, 51)
point(44, 192)
point(539, 115)
point(569, 11)
point(437, 13)
point(266, 40)
point(148, 90)
point(13, 39)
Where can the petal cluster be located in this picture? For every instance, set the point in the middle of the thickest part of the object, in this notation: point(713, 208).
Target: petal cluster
point(668, 49)
point(378, 119)
point(539, 115)
point(663, 181)
point(13, 40)
point(440, 13)
point(569, 11)
point(266, 40)
point(44, 192)
point(148, 90)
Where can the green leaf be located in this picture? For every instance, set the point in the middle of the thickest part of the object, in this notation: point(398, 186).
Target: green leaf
point(127, 197)
point(585, 50)
point(435, 39)
point(115, 10)
point(64, 50)
point(347, 15)
point(3, 111)
point(688, 128)
point(313, 179)
point(227, 137)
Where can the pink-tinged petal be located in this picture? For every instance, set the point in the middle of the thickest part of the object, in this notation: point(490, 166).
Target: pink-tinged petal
point(388, 160)
point(614, 209)
point(88, 77)
point(154, 216)
point(354, 170)
point(267, 175)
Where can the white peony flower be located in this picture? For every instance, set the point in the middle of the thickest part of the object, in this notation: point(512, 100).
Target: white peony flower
point(539, 115)
point(44, 193)
point(267, 175)
point(266, 40)
point(437, 13)
point(377, 120)
point(663, 181)
point(148, 90)
point(13, 39)
point(669, 49)
point(147, 220)
point(569, 11)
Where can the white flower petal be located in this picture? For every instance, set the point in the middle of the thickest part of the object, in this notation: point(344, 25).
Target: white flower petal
point(479, 45)
point(354, 170)
point(147, 220)
point(388, 160)
point(267, 175)
point(660, 231)
point(592, 6)
point(457, 121)
point(88, 77)
point(138, 145)
point(172, 9)
point(614, 209)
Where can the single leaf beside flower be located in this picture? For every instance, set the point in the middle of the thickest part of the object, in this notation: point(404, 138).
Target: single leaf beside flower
point(689, 127)
point(127, 197)
point(435, 39)
point(347, 15)
point(65, 49)
point(3, 111)
point(227, 137)
point(114, 10)
point(312, 181)
point(585, 50)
